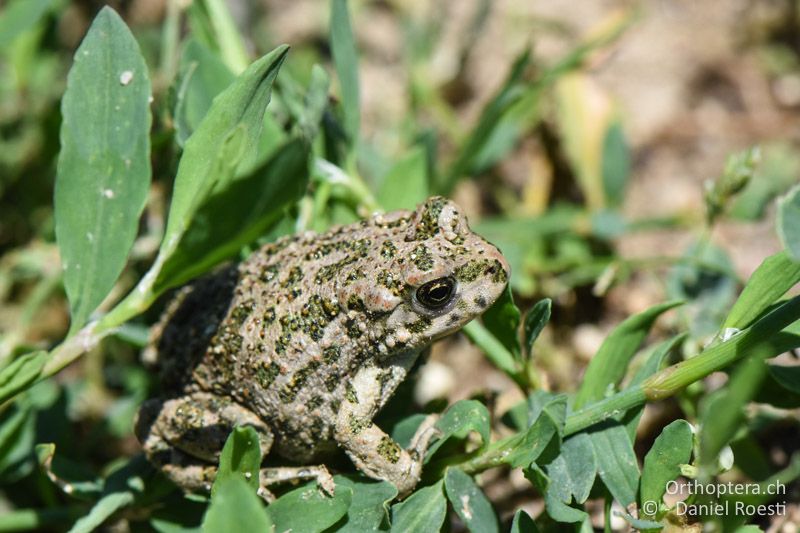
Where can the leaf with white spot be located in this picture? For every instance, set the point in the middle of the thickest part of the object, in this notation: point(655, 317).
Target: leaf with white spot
point(104, 163)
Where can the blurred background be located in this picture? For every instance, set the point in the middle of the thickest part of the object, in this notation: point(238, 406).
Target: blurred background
point(603, 178)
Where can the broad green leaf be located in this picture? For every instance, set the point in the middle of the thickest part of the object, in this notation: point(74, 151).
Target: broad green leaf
point(523, 523)
point(616, 164)
point(608, 366)
point(422, 512)
point(788, 222)
point(345, 60)
point(240, 457)
point(308, 509)
point(616, 461)
point(104, 162)
point(20, 373)
point(224, 141)
point(235, 507)
point(369, 508)
point(458, 421)
point(555, 500)
point(404, 430)
point(406, 183)
point(787, 376)
point(502, 319)
point(772, 279)
point(18, 16)
point(662, 464)
point(201, 77)
point(469, 502)
point(238, 214)
point(102, 510)
point(573, 471)
point(536, 319)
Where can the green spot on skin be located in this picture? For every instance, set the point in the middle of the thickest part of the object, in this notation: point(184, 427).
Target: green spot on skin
point(357, 425)
point(420, 325)
point(389, 450)
point(350, 394)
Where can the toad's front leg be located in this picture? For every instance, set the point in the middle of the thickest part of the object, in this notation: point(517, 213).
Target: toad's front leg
point(373, 451)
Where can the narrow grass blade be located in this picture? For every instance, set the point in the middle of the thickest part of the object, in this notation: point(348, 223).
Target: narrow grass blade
point(771, 280)
point(345, 60)
point(608, 366)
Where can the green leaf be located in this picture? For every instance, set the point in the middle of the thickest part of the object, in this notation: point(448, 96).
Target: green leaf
point(201, 77)
point(345, 60)
point(672, 448)
point(525, 447)
point(788, 222)
point(315, 104)
point(308, 509)
point(772, 279)
point(369, 509)
point(616, 460)
point(787, 376)
point(555, 499)
point(509, 93)
point(238, 214)
point(223, 142)
point(608, 366)
point(574, 470)
point(616, 165)
point(422, 512)
point(102, 510)
point(240, 458)
point(235, 507)
point(406, 183)
point(18, 17)
point(535, 320)
point(20, 373)
point(523, 523)
point(104, 163)
point(458, 421)
point(502, 319)
point(469, 502)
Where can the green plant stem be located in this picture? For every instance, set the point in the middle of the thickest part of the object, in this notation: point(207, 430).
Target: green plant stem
point(762, 339)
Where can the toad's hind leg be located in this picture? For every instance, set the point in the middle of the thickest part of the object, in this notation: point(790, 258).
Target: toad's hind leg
point(184, 437)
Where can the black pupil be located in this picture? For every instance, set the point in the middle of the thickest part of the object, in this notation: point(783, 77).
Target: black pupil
point(436, 293)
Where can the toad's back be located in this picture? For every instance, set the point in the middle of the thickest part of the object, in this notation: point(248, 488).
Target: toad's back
point(284, 332)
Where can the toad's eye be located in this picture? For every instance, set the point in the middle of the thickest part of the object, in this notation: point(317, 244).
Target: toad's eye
point(437, 293)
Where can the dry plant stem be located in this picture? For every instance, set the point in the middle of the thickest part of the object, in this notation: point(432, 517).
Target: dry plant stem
point(759, 340)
